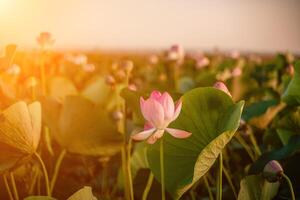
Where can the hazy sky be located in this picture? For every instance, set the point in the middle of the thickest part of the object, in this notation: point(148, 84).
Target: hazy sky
point(258, 25)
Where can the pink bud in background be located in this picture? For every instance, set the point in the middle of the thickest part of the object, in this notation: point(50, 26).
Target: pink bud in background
point(202, 62)
point(159, 111)
point(89, 67)
point(176, 53)
point(272, 171)
point(153, 59)
point(235, 54)
point(45, 39)
point(221, 86)
point(132, 87)
point(237, 71)
point(110, 80)
point(290, 70)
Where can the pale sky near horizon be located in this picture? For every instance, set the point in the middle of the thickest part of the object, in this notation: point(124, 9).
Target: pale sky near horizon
point(255, 25)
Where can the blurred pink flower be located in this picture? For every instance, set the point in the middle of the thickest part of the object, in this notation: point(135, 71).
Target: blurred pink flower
point(176, 53)
point(221, 86)
point(159, 110)
point(132, 87)
point(89, 67)
point(45, 39)
point(201, 60)
point(237, 71)
point(235, 54)
point(290, 70)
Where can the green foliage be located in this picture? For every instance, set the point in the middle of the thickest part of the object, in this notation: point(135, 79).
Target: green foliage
point(213, 118)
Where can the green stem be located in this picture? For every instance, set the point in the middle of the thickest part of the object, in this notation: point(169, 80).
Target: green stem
point(230, 182)
point(56, 169)
point(253, 141)
point(290, 186)
point(162, 170)
point(7, 187)
point(246, 146)
point(34, 180)
point(148, 186)
point(123, 154)
point(43, 75)
point(219, 189)
point(129, 169)
point(211, 197)
point(45, 173)
point(13, 182)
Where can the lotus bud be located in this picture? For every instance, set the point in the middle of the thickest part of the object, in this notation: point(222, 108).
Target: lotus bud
point(117, 115)
point(132, 87)
point(120, 75)
point(45, 39)
point(272, 171)
point(202, 62)
point(176, 53)
point(221, 86)
point(235, 54)
point(237, 71)
point(110, 80)
point(89, 67)
point(153, 59)
point(290, 70)
point(127, 66)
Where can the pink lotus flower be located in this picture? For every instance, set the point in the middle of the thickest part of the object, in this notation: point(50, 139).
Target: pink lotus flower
point(159, 110)
point(221, 86)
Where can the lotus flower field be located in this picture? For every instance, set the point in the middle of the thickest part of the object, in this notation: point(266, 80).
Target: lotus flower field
point(169, 124)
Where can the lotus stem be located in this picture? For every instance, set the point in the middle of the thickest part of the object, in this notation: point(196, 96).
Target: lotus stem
point(43, 75)
point(148, 186)
point(45, 173)
point(56, 169)
point(290, 185)
point(253, 141)
point(211, 197)
point(226, 173)
point(13, 182)
point(7, 187)
point(162, 170)
point(123, 154)
point(129, 170)
point(219, 188)
point(246, 146)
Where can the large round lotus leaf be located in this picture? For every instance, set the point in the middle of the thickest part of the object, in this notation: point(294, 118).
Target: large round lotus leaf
point(83, 194)
point(60, 87)
point(85, 128)
point(96, 90)
point(212, 118)
point(20, 127)
point(292, 93)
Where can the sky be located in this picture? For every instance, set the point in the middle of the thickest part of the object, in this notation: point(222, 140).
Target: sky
point(248, 25)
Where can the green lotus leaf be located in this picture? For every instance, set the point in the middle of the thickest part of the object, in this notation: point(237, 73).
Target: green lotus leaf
point(60, 87)
point(96, 90)
point(292, 92)
point(20, 129)
point(212, 118)
point(83, 194)
point(82, 127)
point(255, 187)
